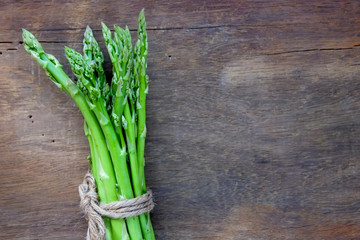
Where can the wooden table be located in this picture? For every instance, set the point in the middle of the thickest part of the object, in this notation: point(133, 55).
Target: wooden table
point(253, 118)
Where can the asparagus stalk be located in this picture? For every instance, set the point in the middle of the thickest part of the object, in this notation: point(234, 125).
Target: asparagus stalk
point(109, 113)
point(53, 68)
point(124, 101)
point(120, 86)
point(140, 66)
point(95, 163)
point(85, 71)
point(121, 70)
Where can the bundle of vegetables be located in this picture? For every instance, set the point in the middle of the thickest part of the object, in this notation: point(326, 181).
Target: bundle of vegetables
point(115, 116)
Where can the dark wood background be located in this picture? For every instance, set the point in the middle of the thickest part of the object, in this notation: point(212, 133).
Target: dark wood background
point(253, 118)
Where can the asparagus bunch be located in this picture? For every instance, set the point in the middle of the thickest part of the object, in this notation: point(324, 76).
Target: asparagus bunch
point(114, 114)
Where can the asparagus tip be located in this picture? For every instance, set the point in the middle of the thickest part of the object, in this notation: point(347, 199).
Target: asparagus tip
point(30, 42)
point(88, 31)
point(104, 27)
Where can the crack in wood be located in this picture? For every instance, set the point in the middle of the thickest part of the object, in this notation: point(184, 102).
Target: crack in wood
point(135, 29)
point(312, 50)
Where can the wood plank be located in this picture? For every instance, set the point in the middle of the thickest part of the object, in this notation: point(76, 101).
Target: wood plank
point(253, 120)
point(176, 14)
point(321, 20)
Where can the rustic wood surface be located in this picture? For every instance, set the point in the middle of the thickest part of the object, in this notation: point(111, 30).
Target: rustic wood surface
point(253, 118)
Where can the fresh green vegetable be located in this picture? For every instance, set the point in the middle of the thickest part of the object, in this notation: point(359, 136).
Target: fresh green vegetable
point(114, 115)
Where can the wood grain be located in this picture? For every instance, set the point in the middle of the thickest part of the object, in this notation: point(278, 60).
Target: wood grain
point(253, 119)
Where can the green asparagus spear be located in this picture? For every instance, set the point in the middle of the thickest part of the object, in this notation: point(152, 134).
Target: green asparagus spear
point(115, 116)
point(95, 163)
point(86, 72)
point(126, 97)
point(140, 67)
point(53, 68)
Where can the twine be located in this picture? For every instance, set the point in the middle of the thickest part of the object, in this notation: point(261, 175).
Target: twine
point(94, 211)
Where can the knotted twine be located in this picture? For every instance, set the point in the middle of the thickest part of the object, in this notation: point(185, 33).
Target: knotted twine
point(94, 211)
